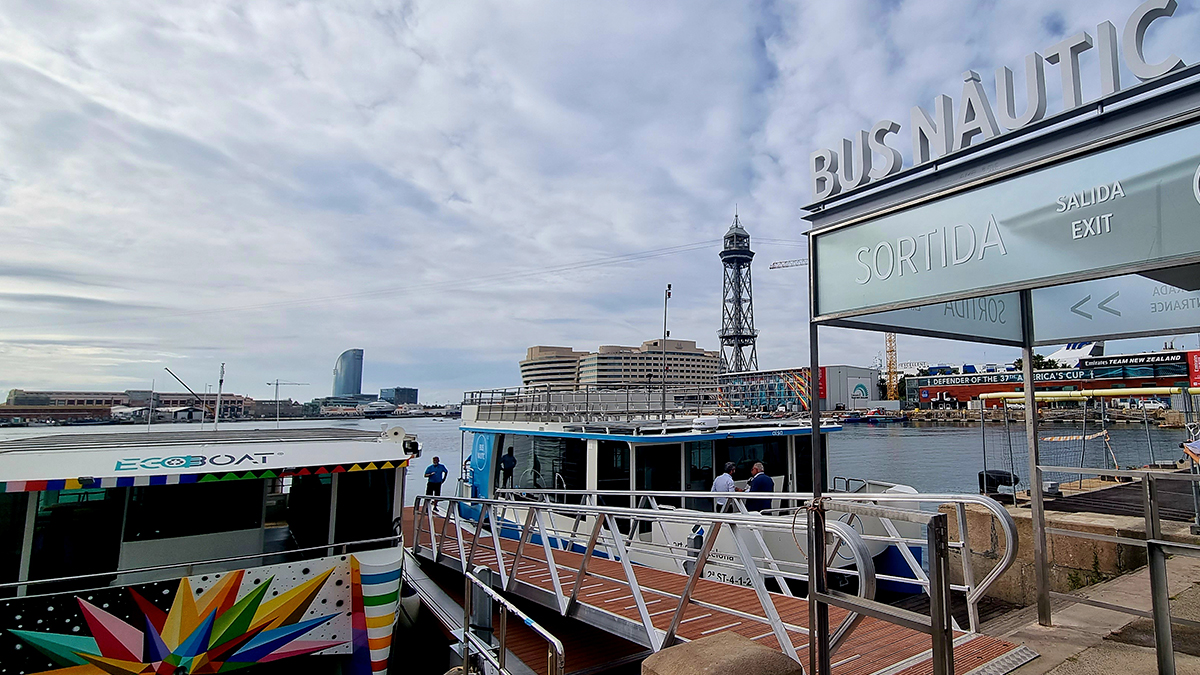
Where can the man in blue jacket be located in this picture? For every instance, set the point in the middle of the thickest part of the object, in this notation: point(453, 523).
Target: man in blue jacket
point(436, 475)
point(759, 482)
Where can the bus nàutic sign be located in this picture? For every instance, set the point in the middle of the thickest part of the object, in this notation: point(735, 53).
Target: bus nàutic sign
point(873, 155)
point(1132, 207)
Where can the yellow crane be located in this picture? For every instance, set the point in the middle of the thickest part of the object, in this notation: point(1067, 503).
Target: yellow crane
point(889, 339)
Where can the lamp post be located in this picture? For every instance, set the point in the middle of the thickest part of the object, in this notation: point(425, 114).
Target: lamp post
point(666, 297)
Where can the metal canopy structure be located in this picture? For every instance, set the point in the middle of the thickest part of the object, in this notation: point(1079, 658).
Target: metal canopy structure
point(1085, 225)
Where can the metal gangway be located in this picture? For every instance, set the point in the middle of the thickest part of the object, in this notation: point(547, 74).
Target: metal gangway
point(584, 556)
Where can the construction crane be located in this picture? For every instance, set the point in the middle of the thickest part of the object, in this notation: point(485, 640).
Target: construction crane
point(889, 339)
point(893, 376)
point(784, 264)
point(280, 383)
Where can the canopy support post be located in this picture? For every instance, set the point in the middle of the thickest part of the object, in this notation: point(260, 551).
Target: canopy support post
point(818, 612)
point(1040, 562)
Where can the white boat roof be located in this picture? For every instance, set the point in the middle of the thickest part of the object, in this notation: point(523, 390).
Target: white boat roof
point(70, 461)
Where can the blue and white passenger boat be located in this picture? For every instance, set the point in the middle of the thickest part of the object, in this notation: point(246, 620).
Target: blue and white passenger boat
point(646, 448)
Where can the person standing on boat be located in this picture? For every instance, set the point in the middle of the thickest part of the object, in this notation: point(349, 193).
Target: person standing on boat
point(724, 483)
point(436, 475)
point(759, 482)
point(507, 464)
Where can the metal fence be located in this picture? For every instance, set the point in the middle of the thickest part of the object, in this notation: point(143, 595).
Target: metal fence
point(1157, 550)
point(580, 521)
point(590, 403)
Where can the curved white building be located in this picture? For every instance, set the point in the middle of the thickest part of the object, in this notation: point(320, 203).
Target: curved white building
point(347, 373)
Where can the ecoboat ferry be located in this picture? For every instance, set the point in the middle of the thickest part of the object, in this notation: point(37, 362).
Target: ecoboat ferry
point(201, 552)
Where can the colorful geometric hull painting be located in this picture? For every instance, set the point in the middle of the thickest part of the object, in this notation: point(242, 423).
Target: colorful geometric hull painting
point(212, 623)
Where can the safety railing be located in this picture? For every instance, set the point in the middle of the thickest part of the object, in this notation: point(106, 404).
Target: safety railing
point(593, 529)
point(476, 638)
point(1157, 550)
point(590, 403)
point(939, 625)
point(888, 532)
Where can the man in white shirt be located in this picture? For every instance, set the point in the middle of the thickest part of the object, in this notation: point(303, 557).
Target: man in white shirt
point(724, 483)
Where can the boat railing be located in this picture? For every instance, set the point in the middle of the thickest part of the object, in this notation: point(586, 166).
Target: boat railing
point(859, 485)
point(593, 403)
point(594, 529)
point(480, 645)
point(188, 568)
point(909, 547)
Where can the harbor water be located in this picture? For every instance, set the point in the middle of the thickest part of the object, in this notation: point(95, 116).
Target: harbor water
point(929, 457)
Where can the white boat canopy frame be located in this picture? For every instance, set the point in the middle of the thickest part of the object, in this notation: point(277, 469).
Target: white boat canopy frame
point(1084, 226)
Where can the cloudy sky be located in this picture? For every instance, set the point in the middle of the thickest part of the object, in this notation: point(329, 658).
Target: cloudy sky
point(444, 184)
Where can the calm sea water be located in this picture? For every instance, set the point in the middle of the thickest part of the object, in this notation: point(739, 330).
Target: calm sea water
point(929, 458)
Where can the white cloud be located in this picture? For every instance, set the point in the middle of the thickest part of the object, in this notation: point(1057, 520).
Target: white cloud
point(267, 185)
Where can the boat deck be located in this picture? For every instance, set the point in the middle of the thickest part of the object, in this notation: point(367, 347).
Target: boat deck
point(606, 601)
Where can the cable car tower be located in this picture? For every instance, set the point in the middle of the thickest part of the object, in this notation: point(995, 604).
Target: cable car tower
point(738, 352)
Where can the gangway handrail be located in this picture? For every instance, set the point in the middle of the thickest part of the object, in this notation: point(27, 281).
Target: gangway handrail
point(556, 656)
point(604, 518)
point(974, 590)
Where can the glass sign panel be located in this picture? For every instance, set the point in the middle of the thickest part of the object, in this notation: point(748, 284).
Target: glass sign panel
point(1134, 204)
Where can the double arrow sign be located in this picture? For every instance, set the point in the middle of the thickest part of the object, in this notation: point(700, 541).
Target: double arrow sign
point(1102, 305)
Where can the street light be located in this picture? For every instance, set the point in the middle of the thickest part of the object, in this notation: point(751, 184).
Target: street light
point(666, 297)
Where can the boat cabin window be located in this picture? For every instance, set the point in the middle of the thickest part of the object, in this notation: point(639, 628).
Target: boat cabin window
point(167, 511)
point(612, 470)
point(744, 452)
point(58, 548)
point(545, 462)
point(701, 471)
point(612, 473)
point(659, 470)
point(12, 529)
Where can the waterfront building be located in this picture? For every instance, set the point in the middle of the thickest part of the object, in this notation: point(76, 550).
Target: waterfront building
point(687, 364)
point(545, 365)
point(840, 388)
point(68, 404)
point(398, 395)
point(347, 373)
point(267, 408)
point(622, 366)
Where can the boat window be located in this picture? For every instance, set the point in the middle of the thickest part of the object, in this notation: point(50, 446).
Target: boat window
point(612, 473)
point(12, 530)
point(744, 452)
point(701, 471)
point(58, 548)
point(164, 511)
point(546, 462)
point(308, 511)
point(364, 509)
point(658, 470)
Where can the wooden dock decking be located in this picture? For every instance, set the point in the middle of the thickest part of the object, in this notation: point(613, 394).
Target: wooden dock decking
point(874, 647)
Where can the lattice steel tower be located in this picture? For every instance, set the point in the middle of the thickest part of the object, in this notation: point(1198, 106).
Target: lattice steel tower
point(737, 334)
